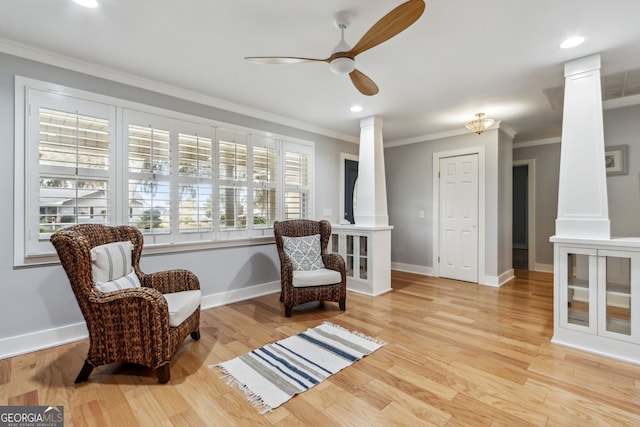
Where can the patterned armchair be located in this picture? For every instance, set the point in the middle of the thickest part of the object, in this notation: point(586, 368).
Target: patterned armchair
point(304, 278)
point(143, 324)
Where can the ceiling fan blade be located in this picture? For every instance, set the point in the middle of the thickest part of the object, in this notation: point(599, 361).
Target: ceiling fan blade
point(281, 59)
point(364, 84)
point(393, 23)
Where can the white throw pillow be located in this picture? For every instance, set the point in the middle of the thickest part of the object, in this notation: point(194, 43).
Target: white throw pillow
point(304, 252)
point(111, 261)
point(125, 282)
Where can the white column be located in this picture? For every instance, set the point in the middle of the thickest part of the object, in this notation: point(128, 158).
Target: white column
point(372, 187)
point(583, 210)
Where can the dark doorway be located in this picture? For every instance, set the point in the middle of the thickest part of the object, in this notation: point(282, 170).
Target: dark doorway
point(520, 218)
point(350, 178)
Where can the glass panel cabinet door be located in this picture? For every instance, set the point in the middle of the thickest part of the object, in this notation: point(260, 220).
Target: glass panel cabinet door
point(335, 243)
point(350, 255)
point(578, 289)
point(618, 295)
point(364, 253)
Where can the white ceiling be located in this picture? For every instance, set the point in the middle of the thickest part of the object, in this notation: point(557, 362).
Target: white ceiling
point(461, 57)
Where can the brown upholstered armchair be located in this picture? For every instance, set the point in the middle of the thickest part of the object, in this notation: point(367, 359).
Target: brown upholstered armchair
point(322, 282)
point(132, 324)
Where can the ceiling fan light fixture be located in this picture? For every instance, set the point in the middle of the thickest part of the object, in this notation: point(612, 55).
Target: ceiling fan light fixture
point(479, 125)
point(342, 65)
point(572, 42)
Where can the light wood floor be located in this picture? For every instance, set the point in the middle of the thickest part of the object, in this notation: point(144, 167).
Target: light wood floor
point(457, 354)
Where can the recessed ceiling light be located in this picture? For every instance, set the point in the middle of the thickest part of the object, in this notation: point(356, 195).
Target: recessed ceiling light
point(572, 42)
point(356, 108)
point(87, 3)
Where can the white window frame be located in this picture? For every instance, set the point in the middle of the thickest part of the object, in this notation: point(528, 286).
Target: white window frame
point(126, 112)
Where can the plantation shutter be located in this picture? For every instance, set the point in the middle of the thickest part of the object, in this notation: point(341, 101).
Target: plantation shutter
point(149, 171)
point(232, 165)
point(297, 192)
point(69, 166)
point(195, 183)
point(265, 180)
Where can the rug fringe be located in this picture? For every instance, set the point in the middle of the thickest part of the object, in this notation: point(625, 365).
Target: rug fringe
point(254, 399)
point(356, 333)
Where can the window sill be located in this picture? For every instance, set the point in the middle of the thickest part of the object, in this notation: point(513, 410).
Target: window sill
point(160, 249)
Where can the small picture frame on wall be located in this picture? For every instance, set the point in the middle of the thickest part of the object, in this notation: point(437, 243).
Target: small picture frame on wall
point(615, 160)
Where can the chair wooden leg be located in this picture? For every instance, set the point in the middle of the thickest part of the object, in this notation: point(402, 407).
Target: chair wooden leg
point(163, 373)
point(195, 335)
point(287, 310)
point(86, 370)
point(343, 304)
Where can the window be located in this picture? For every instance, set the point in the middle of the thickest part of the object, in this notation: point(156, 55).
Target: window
point(297, 171)
point(265, 179)
point(69, 166)
point(149, 180)
point(232, 160)
point(179, 179)
point(195, 183)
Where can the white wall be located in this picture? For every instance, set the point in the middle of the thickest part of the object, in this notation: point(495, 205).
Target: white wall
point(36, 303)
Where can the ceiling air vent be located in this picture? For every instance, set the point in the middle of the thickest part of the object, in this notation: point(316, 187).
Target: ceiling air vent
point(614, 86)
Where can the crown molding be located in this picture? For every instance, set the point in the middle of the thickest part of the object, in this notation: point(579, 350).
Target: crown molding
point(73, 64)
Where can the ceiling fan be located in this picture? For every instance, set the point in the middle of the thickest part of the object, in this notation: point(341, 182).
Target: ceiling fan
point(342, 59)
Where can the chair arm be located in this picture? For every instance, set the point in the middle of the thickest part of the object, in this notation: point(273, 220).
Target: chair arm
point(129, 325)
point(286, 271)
point(334, 261)
point(127, 307)
point(171, 281)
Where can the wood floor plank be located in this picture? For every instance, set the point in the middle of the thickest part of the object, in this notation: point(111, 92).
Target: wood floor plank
point(456, 354)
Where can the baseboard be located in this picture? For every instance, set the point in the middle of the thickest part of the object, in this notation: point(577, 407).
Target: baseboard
point(543, 268)
point(411, 268)
point(242, 294)
point(27, 343)
point(495, 281)
point(498, 281)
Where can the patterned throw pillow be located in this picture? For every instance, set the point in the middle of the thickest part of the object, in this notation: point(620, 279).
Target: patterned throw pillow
point(304, 252)
point(111, 267)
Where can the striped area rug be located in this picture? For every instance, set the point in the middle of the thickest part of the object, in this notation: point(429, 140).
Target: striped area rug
point(273, 374)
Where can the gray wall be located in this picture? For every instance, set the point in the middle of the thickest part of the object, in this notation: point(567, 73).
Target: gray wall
point(505, 199)
point(37, 299)
point(621, 127)
point(409, 170)
point(547, 164)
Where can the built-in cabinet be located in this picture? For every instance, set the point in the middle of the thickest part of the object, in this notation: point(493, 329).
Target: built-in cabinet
point(366, 254)
point(597, 296)
point(354, 248)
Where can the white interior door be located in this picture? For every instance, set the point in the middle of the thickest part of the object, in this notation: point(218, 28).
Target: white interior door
point(459, 217)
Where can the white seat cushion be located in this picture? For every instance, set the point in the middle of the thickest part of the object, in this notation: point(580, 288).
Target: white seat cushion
point(181, 305)
point(322, 276)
